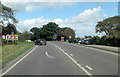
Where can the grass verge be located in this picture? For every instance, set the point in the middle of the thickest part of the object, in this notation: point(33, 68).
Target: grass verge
point(9, 52)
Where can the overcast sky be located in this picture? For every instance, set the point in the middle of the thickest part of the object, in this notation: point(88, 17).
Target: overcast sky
point(80, 16)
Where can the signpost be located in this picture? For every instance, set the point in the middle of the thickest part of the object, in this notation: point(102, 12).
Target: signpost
point(62, 38)
point(69, 37)
point(3, 36)
point(11, 37)
point(12, 33)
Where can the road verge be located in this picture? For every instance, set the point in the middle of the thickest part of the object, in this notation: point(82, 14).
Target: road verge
point(10, 52)
point(107, 48)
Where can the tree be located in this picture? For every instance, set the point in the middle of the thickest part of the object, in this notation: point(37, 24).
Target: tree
point(96, 40)
point(111, 26)
point(24, 36)
point(11, 28)
point(49, 30)
point(87, 37)
point(7, 15)
point(36, 33)
point(66, 32)
point(8, 29)
point(78, 38)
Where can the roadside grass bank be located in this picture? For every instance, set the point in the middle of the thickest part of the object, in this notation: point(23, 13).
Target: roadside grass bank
point(0, 53)
point(10, 52)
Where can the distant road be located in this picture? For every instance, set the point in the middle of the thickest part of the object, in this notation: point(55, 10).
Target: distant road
point(59, 58)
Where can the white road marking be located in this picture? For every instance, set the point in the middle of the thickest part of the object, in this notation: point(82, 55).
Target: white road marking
point(18, 62)
point(79, 65)
point(94, 49)
point(88, 67)
point(49, 55)
point(71, 54)
point(104, 51)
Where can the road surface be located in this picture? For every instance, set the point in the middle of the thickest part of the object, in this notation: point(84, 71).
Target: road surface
point(60, 58)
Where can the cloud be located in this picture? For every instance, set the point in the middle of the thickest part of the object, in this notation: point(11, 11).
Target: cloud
point(31, 6)
point(29, 23)
point(27, 5)
point(83, 24)
point(88, 15)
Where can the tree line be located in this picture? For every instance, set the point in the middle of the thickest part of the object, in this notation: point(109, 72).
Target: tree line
point(51, 31)
point(111, 29)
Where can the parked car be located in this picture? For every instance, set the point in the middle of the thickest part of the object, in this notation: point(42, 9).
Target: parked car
point(81, 42)
point(40, 42)
point(87, 41)
point(73, 41)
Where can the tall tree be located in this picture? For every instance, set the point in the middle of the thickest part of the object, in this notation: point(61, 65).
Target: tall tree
point(7, 15)
point(50, 29)
point(11, 28)
point(111, 26)
point(36, 33)
point(68, 32)
point(8, 29)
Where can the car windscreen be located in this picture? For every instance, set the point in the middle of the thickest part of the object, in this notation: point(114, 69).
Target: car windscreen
point(38, 39)
point(42, 39)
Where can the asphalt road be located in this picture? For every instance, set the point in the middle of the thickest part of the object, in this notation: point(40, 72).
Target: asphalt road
point(59, 58)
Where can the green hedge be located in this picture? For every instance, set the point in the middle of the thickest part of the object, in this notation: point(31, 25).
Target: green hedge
point(106, 40)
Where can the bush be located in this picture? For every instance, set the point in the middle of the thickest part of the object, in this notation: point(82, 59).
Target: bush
point(95, 40)
point(106, 40)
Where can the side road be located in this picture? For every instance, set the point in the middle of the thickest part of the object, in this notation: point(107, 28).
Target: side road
point(108, 48)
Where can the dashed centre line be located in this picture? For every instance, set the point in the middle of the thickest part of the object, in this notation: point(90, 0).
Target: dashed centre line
point(78, 64)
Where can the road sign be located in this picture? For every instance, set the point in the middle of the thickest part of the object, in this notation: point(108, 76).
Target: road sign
point(3, 36)
point(12, 33)
point(62, 38)
point(12, 37)
point(69, 37)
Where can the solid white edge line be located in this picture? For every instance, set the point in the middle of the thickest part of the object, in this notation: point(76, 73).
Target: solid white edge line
point(88, 67)
point(97, 49)
point(18, 62)
point(89, 74)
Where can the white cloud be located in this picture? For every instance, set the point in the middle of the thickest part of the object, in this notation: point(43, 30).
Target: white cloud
point(28, 24)
point(83, 24)
point(30, 6)
point(58, 21)
point(88, 15)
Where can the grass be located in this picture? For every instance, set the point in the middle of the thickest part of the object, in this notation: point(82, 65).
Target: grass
point(9, 52)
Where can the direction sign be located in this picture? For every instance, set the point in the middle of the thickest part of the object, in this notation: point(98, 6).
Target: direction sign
point(12, 37)
point(15, 37)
